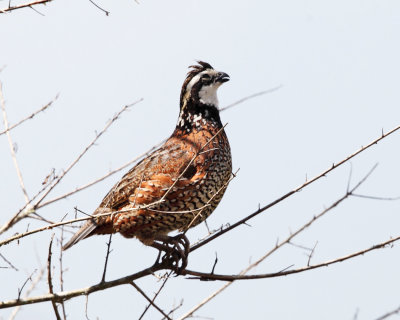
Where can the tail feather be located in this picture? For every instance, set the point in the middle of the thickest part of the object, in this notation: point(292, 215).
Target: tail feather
point(82, 233)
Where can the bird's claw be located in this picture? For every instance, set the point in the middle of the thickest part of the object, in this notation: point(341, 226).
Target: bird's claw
point(176, 250)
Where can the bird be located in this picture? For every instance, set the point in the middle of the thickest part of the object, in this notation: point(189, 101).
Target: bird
point(178, 185)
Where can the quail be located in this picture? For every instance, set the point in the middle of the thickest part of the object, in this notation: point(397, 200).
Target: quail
point(178, 185)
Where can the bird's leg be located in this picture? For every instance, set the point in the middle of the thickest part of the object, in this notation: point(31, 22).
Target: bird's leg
point(175, 248)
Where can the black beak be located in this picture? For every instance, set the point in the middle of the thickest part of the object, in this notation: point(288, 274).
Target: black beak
point(222, 77)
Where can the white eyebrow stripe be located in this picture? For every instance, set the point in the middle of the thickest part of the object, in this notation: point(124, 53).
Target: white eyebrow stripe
point(197, 77)
point(194, 80)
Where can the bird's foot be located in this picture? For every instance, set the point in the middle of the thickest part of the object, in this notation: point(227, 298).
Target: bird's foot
point(176, 250)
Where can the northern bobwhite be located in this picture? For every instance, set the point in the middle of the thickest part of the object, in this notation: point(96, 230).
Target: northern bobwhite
point(180, 184)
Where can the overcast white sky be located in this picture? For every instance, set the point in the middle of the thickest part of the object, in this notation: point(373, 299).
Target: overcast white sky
point(339, 67)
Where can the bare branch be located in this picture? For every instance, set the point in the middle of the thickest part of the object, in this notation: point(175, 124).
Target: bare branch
point(66, 295)
point(107, 255)
point(24, 212)
point(21, 181)
point(100, 8)
point(25, 5)
point(375, 197)
point(8, 262)
point(149, 300)
point(109, 123)
point(37, 11)
point(86, 307)
point(311, 254)
point(48, 227)
point(202, 303)
point(208, 276)
point(30, 116)
point(389, 314)
point(24, 284)
point(29, 208)
point(171, 312)
point(49, 278)
point(28, 292)
point(250, 97)
point(99, 179)
point(156, 294)
point(215, 263)
point(60, 259)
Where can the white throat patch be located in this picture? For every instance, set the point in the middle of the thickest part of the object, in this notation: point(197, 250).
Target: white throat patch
point(208, 94)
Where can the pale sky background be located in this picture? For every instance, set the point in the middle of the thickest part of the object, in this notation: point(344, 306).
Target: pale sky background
point(339, 66)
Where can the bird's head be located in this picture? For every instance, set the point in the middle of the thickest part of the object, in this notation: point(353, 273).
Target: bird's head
point(201, 85)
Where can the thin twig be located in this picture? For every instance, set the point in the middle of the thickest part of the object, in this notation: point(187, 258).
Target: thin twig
point(49, 279)
point(389, 314)
point(375, 197)
point(25, 5)
point(250, 97)
point(103, 278)
point(109, 123)
point(10, 142)
point(48, 227)
point(98, 7)
point(28, 292)
point(297, 245)
point(156, 294)
point(28, 208)
point(311, 254)
point(26, 281)
point(99, 179)
point(8, 262)
point(24, 212)
point(203, 302)
point(215, 263)
point(86, 307)
point(30, 116)
point(21, 214)
point(37, 11)
point(149, 300)
point(171, 312)
point(60, 259)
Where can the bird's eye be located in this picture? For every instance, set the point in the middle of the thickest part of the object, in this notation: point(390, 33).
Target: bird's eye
point(206, 77)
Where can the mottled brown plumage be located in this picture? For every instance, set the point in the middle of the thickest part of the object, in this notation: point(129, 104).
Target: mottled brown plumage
point(180, 184)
